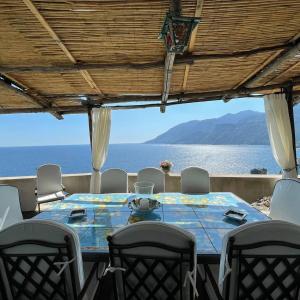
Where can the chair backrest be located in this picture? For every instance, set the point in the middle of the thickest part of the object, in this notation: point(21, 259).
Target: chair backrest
point(261, 260)
point(114, 181)
point(49, 179)
point(10, 210)
point(155, 176)
point(195, 180)
point(151, 260)
point(34, 256)
point(285, 203)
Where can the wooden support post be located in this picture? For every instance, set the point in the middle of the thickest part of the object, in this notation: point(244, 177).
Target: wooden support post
point(90, 125)
point(290, 102)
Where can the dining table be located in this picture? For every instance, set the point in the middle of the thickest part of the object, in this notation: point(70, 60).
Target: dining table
point(202, 215)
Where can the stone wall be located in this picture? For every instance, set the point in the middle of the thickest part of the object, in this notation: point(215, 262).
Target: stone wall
point(248, 187)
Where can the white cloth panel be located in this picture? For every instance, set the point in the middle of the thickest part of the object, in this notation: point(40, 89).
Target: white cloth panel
point(101, 120)
point(280, 133)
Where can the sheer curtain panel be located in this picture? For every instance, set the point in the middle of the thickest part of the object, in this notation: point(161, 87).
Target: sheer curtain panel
point(280, 133)
point(101, 120)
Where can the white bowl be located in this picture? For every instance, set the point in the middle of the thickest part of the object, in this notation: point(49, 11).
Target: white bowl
point(138, 205)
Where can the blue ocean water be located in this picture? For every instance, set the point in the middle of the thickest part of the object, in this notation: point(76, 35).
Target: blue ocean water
point(217, 159)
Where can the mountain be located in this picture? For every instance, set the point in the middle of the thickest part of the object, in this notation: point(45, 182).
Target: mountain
point(243, 128)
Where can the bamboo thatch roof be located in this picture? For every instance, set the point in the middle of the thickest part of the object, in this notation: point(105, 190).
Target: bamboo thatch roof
point(63, 53)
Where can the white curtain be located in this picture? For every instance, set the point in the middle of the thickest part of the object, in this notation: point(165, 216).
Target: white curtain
point(101, 120)
point(280, 133)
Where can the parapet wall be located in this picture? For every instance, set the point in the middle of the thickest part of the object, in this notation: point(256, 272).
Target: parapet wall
point(248, 187)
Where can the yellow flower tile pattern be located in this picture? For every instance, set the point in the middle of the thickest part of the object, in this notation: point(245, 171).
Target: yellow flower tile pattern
point(202, 215)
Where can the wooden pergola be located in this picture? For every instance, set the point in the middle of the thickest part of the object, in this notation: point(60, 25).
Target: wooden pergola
point(66, 56)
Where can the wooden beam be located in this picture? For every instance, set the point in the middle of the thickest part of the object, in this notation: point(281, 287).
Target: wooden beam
point(256, 70)
point(273, 56)
point(84, 109)
point(87, 66)
point(292, 41)
point(198, 12)
point(138, 98)
point(239, 54)
point(274, 65)
point(187, 59)
point(61, 109)
point(35, 99)
point(177, 99)
point(285, 71)
point(60, 43)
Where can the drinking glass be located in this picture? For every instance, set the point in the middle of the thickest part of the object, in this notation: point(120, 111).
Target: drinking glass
point(143, 187)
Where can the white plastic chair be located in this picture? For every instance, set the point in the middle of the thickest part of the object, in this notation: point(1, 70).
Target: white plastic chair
point(285, 202)
point(114, 181)
point(155, 176)
point(261, 260)
point(49, 184)
point(46, 259)
point(153, 260)
point(195, 180)
point(10, 210)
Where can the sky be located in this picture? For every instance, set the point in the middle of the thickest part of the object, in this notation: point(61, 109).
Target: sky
point(128, 126)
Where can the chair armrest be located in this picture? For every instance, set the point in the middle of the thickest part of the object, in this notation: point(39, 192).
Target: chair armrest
point(63, 187)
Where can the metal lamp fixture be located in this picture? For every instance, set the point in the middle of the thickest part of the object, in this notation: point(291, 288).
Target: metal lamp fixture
point(176, 32)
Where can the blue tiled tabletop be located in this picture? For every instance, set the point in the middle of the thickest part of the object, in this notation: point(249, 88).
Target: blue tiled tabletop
point(203, 215)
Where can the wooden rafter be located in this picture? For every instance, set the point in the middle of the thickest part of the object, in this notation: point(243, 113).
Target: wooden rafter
point(85, 74)
point(290, 68)
point(198, 11)
point(257, 69)
point(268, 61)
point(274, 65)
point(35, 99)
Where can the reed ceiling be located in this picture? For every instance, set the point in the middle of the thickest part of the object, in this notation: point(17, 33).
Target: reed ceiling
point(117, 41)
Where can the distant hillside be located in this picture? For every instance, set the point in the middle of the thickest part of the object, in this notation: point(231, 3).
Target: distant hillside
point(243, 128)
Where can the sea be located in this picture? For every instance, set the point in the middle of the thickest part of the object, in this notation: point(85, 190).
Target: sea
point(217, 159)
